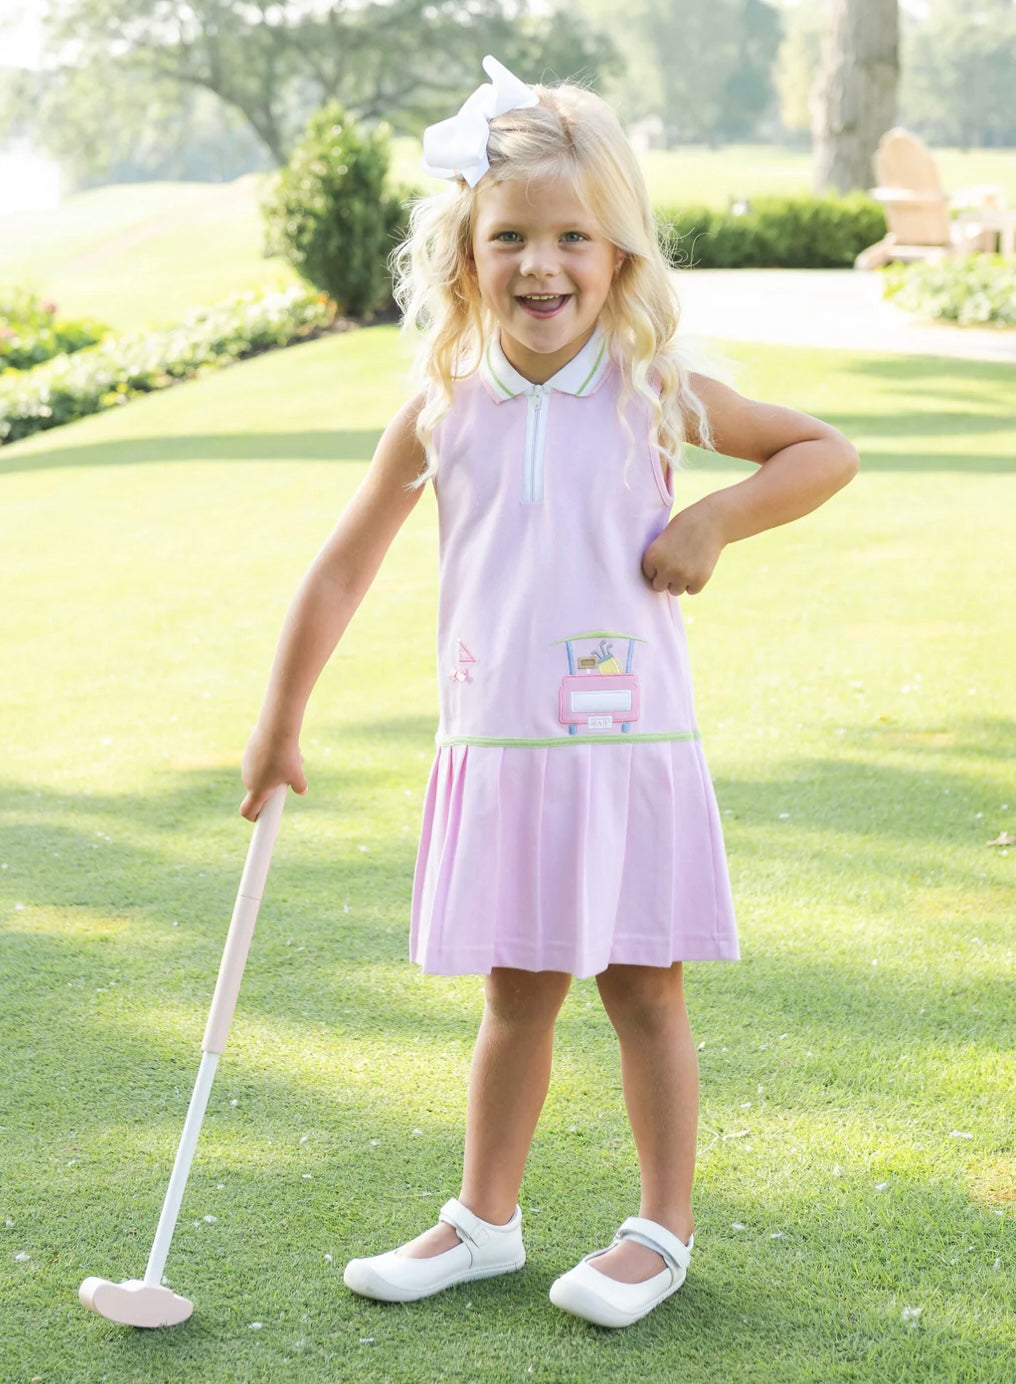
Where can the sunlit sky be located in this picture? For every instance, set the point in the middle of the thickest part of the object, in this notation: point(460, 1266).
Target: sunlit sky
point(28, 180)
point(20, 34)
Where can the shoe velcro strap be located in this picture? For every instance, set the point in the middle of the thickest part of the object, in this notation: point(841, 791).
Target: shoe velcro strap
point(658, 1238)
point(470, 1227)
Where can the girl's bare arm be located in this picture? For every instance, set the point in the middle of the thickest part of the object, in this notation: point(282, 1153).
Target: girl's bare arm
point(802, 462)
point(324, 604)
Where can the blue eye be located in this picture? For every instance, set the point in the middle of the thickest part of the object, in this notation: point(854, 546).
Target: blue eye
point(508, 236)
point(574, 235)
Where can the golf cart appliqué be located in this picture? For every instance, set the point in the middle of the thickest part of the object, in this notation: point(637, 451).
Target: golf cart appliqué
point(599, 692)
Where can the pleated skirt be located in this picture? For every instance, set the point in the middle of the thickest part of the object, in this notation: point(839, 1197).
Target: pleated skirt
point(570, 858)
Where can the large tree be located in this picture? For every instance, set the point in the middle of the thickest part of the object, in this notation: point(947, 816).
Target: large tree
point(274, 61)
point(855, 96)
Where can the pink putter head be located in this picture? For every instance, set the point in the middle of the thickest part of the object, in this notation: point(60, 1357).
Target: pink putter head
point(134, 1303)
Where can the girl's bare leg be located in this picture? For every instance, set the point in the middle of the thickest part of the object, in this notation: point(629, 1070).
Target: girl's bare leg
point(659, 1074)
point(507, 1087)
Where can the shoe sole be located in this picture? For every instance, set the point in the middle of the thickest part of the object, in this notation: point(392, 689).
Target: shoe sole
point(581, 1302)
point(371, 1285)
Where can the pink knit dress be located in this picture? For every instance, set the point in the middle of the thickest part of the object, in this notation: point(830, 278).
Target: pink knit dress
point(570, 821)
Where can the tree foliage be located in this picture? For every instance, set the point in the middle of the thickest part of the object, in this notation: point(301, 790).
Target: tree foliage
point(703, 66)
point(960, 73)
point(126, 127)
point(404, 61)
point(213, 88)
point(797, 62)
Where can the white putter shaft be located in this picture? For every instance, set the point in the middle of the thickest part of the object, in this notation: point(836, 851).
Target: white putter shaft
point(146, 1301)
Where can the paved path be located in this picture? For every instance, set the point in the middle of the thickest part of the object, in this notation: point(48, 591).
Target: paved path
point(822, 307)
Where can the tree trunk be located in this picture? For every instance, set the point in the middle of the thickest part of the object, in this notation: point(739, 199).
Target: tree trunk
point(854, 100)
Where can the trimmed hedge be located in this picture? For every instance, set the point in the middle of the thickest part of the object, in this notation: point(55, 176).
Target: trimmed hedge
point(968, 289)
point(121, 368)
point(30, 332)
point(332, 215)
point(773, 233)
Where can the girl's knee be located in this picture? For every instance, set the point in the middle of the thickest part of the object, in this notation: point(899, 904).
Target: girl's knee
point(525, 997)
point(642, 998)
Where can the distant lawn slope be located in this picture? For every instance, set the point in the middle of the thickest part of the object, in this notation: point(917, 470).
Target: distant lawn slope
point(718, 176)
point(141, 254)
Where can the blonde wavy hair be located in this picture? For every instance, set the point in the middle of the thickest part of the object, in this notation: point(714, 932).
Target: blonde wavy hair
point(571, 134)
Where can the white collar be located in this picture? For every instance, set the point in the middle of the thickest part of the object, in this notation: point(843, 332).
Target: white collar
point(580, 376)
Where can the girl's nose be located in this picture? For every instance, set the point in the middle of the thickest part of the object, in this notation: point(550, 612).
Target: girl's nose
point(539, 259)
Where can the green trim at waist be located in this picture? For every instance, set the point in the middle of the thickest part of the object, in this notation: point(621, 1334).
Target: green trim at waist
point(445, 740)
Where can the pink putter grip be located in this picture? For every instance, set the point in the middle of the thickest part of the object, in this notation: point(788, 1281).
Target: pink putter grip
point(241, 927)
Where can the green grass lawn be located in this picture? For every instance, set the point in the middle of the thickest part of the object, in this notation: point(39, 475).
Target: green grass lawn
point(854, 677)
point(719, 176)
point(140, 254)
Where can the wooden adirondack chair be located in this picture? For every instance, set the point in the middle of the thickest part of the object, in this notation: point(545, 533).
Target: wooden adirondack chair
point(916, 207)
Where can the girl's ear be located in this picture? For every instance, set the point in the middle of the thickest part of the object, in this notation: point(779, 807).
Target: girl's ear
point(619, 259)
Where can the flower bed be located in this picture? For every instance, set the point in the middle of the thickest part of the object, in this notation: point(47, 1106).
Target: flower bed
point(30, 332)
point(966, 289)
point(119, 369)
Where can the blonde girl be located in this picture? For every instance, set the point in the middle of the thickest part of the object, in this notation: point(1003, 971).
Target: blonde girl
point(569, 827)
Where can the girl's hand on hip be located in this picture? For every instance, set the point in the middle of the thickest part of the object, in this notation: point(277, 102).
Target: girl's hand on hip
point(681, 559)
point(268, 761)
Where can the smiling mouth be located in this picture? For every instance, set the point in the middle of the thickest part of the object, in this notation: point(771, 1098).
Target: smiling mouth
point(543, 304)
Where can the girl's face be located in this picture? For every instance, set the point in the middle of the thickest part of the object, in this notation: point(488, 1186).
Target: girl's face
point(544, 270)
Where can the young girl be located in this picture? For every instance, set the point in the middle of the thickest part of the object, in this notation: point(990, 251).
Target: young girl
point(570, 827)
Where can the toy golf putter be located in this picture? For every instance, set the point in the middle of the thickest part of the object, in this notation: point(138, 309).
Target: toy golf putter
point(146, 1301)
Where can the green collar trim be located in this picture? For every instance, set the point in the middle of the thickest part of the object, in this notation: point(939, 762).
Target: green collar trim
point(596, 365)
point(493, 375)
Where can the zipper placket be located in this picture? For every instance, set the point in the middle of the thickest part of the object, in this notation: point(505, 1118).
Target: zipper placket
point(536, 431)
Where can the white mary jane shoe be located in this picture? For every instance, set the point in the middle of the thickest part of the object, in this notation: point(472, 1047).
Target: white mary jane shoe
point(485, 1250)
point(585, 1292)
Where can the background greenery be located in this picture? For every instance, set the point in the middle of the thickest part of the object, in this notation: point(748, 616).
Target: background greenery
point(213, 88)
point(122, 367)
point(136, 255)
point(856, 1182)
point(333, 214)
point(773, 233)
point(968, 290)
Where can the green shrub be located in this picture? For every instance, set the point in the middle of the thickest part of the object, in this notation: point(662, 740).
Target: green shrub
point(773, 232)
point(968, 289)
point(121, 368)
point(331, 215)
point(30, 332)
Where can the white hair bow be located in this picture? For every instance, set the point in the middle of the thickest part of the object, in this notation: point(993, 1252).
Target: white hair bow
point(458, 146)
